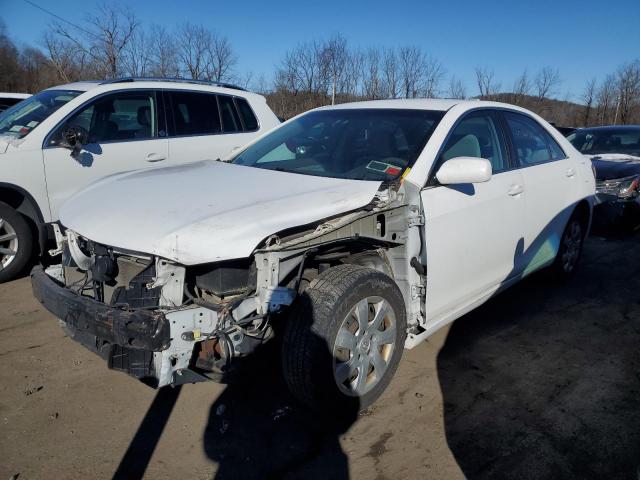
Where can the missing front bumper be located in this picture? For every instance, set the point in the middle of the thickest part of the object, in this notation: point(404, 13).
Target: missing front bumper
point(135, 329)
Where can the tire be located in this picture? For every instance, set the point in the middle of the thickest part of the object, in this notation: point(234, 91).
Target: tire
point(325, 341)
point(570, 248)
point(15, 236)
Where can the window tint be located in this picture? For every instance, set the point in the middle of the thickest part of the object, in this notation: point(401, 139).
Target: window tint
point(121, 116)
point(230, 118)
point(194, 113)
point(477, 135)
point(530, 140)
point(248, 118)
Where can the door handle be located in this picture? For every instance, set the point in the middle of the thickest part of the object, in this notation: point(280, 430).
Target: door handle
point(155, 157)
point(570, 172)
point(515, 189)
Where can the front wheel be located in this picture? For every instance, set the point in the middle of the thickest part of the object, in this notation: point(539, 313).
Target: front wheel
point(344, 339)
point(16, 243)
point(570, 248)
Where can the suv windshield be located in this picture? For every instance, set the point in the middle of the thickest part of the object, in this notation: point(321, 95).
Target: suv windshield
point(359, 144)
point(23, 117)
point(621, 140)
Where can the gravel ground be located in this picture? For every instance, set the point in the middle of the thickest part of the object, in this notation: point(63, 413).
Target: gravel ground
point(541, 382)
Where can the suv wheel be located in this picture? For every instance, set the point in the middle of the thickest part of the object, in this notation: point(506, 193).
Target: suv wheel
point(344, 339)
point(570, 249)
point(16, 242)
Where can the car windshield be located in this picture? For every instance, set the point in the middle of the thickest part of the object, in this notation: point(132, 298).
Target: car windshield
point(23, 117)
point(592, 142)
point(359, 144)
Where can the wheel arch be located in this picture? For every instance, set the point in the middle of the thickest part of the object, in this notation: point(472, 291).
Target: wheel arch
point(583, 212)
point(24, 203)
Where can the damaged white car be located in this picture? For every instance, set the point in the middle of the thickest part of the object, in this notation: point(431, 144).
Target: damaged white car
point(361, 228)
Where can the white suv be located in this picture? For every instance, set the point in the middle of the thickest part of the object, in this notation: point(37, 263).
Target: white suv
point(365, 227)
point(63, 138)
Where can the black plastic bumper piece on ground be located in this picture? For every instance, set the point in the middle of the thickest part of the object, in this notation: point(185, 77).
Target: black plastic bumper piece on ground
point(135, 329)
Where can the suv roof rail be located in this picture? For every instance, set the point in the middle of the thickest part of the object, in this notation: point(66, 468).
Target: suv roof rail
point(176, 80)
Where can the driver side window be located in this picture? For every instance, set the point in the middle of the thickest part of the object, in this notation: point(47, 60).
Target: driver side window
point(477, 135)
point(117, 117)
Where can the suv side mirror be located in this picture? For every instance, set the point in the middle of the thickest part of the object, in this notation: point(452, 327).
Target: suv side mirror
point(464, 170)
point(74, 138)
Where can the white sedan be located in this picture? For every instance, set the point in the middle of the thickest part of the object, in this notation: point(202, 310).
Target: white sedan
point(365, 227)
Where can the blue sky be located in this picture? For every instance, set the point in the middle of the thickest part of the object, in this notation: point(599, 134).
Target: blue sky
point(582, 39)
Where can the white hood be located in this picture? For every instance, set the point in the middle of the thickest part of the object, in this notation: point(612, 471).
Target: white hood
point(206, 211)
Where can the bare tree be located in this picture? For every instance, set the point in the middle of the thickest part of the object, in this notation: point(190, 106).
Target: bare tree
point(456, 88)
point(220, 58)
point(521, 88)
point(628, 89)
point(411, 60)
point(68, 59)
point(372, 83)
point(486, 82)
point(104, 40)
point(546, 82)
point(335, 55)
point(136, 57)
point(391, 73)
point(606, 100)
point(163, 53)
point(588, 97)
point(193, 49)
point(432, 73)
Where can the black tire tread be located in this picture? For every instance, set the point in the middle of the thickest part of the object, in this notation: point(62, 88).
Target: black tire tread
point(305, 329)
point(25, 242)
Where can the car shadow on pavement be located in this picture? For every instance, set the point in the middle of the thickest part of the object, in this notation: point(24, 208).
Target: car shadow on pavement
point(256, 430)
point(544, 380)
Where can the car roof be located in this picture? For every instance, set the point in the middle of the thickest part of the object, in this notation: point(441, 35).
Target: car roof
point(155, 83)
point(610, 128)
point(437, 104)
point(14, 95)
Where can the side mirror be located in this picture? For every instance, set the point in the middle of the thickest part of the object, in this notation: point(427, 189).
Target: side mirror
point(464, 170)
point(74, 138)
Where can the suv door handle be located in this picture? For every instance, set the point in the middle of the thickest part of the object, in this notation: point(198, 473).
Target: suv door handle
point(570, 172)
point(515, 189)
point(155, 157)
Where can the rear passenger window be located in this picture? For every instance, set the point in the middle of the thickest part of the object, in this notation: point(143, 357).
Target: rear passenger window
point(230, 119)
point(194, 114)
point(248, 118)
point(532, 143)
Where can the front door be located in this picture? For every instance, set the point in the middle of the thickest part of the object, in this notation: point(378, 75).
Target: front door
point(124, 134)
point(473, 232)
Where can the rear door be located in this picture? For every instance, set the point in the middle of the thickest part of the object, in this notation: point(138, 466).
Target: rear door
point(206, 126)
point(473, 232)
point(126, 132)
point(550, 185)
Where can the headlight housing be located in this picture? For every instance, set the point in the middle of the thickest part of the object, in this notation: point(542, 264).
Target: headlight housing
point(623, 188)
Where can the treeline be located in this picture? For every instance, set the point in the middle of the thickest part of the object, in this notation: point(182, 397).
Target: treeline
point(113, 42)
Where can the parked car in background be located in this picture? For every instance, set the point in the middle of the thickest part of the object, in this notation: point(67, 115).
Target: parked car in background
point(63, 138)
point(565, 130)
point(615, 154)
point(10, 99)
point(367, 226)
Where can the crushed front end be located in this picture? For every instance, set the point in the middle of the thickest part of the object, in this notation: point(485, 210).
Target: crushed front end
point(137, 312)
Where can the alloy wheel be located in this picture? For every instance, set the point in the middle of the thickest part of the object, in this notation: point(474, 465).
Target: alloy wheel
point(364, 346)
point(8, 243)
point(571, 246)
